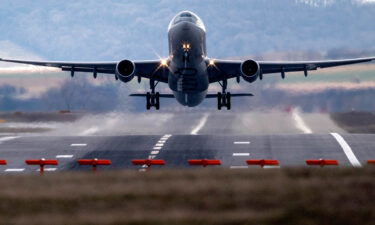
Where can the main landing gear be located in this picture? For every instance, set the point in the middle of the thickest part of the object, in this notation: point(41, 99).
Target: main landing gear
point(223, 98)
point(152, 98)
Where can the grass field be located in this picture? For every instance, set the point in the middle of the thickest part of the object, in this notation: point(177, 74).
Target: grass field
point(302, 196)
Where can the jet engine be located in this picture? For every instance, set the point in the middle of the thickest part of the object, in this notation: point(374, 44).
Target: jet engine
point(125, 70)
point(250, 70)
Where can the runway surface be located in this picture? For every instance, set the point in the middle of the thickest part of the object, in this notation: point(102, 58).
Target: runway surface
point(289, 137)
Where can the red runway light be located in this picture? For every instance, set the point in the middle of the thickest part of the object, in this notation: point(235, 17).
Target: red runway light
point(148, 162)
point(371, 162)
point(204, 162)
point(322, 162)
point(3, 162)
point(94, 162)
point(262, 162)
point(41, 163)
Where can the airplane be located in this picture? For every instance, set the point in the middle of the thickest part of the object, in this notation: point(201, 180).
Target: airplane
point(188, 70)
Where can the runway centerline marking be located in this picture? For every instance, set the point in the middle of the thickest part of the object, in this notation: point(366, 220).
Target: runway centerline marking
point(200, 125)
point(300, 123)
point(347, 150)
point(78, 144)
point(156, 149)
point(15, 170)
point(241, 142)
point(64, 156)
point(241, 154)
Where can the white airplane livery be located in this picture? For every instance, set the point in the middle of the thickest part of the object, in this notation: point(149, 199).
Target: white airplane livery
point(188, 70)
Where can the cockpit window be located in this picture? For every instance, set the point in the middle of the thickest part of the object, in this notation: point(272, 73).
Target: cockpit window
point(187, 17)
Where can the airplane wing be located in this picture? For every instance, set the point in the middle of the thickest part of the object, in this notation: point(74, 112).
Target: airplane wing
point(145, 69)
point(231, 68)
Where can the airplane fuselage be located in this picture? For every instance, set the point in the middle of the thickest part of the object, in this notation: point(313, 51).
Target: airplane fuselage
point(188, 77)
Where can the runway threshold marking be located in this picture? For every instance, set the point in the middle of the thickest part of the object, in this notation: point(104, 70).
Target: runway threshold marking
point(78, 144)
point(241, 154)
point(64, 156)
point(299, 122)
point(241, 142)
point(347, 150)
point(15, 170)
point(200, 125)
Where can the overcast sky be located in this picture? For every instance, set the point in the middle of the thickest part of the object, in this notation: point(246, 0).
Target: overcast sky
point(137, 29)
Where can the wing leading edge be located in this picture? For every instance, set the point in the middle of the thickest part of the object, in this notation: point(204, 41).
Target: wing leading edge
point(146, 69)
point(231, 68)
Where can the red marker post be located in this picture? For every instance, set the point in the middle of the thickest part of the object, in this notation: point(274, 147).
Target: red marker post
point(94, 162)
point(148, 162)
point(3, 162)
point(262, 162)
point(371, 162)
point(41, 163)
point(322, 162)
point(204, 162)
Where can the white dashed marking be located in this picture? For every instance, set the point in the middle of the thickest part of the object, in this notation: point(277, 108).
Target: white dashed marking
point(159, 145)
point(64, 156)
point(78, 144)
point(157, 148)
point(200, 125)
point(241, 154)
point(347, 150)
point(241, 142)
point(15, 170)
point(271, 167)
point(48, 169)
point(239, 167)
point(154, 152)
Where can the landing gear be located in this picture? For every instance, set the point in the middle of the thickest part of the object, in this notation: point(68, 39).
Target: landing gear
point(223, 98)
point(152, 98)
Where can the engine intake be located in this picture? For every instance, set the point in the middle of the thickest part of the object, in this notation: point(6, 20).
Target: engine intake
point(125, 70)
point(250, 70)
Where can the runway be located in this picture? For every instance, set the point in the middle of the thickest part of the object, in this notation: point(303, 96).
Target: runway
point(289, 137)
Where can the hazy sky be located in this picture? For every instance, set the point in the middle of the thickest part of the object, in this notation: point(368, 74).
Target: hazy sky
point(137, 29)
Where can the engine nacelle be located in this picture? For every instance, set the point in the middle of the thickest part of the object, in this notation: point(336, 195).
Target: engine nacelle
point(250, 70)
point(125, 70)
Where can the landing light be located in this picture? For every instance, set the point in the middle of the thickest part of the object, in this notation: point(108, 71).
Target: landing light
point(163, 62)
point(211, 62)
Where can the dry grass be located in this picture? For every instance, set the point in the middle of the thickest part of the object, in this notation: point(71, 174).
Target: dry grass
point(202, 196)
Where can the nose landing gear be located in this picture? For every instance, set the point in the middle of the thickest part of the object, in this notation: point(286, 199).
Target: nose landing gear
point(152, 98)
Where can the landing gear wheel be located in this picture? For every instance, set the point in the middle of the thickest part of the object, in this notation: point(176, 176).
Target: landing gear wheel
point(228, 95)
point(148, 100)
point(219, 103)
point(157, 101)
